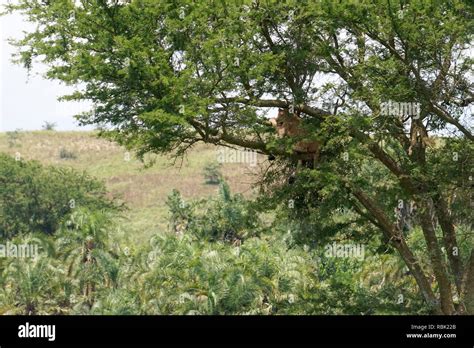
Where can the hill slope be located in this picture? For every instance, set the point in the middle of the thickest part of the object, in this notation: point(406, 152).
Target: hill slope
point(144, 190)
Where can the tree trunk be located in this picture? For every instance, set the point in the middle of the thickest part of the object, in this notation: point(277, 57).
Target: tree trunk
point(437, 259)
point(398, 241)
point(468, 285)
point(450, 242)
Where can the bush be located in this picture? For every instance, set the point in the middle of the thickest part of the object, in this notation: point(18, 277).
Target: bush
point(212, 173)
point(181, 213)
point(14, 137)
point(71, 268)
point(181, 275)
point(83, 270)
point(66, 154)
point(34, 198)
point(48, 126)
point(227, 217)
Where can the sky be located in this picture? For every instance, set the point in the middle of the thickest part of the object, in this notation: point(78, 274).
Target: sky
point(28, 100)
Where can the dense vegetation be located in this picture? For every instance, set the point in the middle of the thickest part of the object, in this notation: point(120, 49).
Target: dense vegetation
point(218, 257)
point(36, 198)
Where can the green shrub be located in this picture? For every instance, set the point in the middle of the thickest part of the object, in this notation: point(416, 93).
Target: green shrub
point(71, 268)
point(35, 198)
point(212, 173)
point(48, 126)
point(181, 212)
point(14, 137)
point(182, 275)
point(82, 270)
point(66, 154)
point(227, 217)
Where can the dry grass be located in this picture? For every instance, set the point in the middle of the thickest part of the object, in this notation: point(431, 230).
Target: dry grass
point(144, 190)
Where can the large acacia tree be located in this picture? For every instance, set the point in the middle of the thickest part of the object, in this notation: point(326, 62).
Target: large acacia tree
point(164, 75)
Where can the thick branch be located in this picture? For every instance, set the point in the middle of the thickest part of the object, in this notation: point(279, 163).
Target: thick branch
point(441, 113)
point(396, 239)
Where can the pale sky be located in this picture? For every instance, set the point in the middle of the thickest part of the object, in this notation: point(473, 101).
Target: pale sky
point(26, 102)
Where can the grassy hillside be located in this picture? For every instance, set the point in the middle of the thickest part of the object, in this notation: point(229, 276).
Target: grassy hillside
point(144, 190)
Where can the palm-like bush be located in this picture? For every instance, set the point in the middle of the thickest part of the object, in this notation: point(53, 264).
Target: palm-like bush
point(227, 217)
point(83, 269)
point(186, 276)
point(70, 269)
point(83, 242)
point(35, 285)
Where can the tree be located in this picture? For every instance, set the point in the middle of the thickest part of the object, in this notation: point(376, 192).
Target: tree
point(48, 126)
point(229, 218)
point(36, 198)
point(165, 75)
point(212, 173)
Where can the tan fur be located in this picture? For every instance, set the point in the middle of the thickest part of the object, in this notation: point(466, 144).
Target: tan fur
point(289, 125)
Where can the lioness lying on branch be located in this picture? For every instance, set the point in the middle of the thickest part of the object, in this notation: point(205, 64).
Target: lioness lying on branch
point(289, 125)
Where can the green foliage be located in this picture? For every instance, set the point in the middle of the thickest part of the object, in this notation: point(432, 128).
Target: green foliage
point(212, 173)
point(181, 213)
point(34, 198)
point(49, 126)
point(453, 160)
point(14, 138)
point(70, 268)
point(182, 275)
point(83, 269)
point(34, 286)
point(392, 288)
point(227, 217)
point(66, 154)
